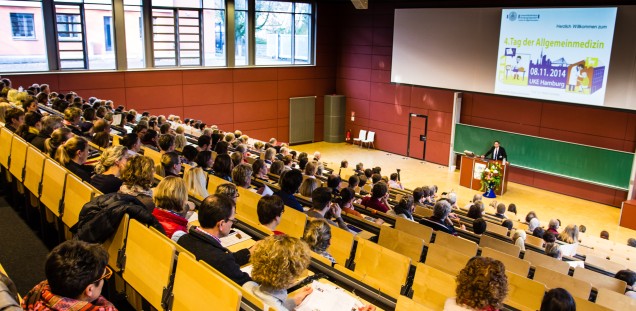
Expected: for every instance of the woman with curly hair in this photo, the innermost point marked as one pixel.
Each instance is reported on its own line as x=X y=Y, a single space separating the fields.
x=137 y=177
x=481 y=285
x=277 y=261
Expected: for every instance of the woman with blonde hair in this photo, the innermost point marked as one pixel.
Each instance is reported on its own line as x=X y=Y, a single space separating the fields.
x=569 y=235
x=277 y=261
x=308 y=186
x=481 y=285
x=318 y=237
x=196 y=179
x=109 y=168
x=138 y=176
x=73 y=154
x=170 y=198
x=180 y=140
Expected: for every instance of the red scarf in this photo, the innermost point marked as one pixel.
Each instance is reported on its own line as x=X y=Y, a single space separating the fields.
x=40 y=298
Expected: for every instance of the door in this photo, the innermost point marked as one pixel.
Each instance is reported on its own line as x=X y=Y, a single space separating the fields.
x=416 y=146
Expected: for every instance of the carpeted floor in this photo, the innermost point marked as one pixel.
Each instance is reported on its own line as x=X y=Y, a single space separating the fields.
x=22 y=252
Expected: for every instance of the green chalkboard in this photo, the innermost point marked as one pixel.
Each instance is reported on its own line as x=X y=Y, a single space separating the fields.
x=601 y=166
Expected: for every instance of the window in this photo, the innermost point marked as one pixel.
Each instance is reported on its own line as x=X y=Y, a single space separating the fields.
x=22 y=26
x=189 y=32
x=283 y=33
x=84 y=34
x=23 y=46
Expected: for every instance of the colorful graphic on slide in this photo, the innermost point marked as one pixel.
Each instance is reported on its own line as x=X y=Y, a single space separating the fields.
x=555 y=54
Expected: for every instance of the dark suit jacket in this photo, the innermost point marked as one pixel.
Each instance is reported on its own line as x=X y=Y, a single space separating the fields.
x=500 y=156
x=206 y=248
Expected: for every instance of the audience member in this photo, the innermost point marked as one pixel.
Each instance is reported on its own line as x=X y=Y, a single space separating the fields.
x=605 y=235
x=323 y=208
x=73 y=154
x=378 y=199
x=404 y=208
x=553 y=226
x=289 y=184
x=481 y=285
x=476 y=210
x=31 y=126
x=519 y=239
x=440 y=219
x=533 y=224
x=270 y=209
x=196 y=180
x=276 y=264
x=277 y=168
x=217 y=215
x=570 y=234
x=109 y=169
x=318 y=237
x=308 y=186
x=242 y=175
x=138 y=176
x=49 y=125
x=558 y=299
x=9 y=299
x=508 y=224
x=75 y=275
x=204 y=160
x=14 y=118
x=479 y=226
x=260 y=169
x=170 y=198
x=190 y=153
x=501 y=211
x=629 y=277
x=222 y=167
x=170 y=164
x=394 y=182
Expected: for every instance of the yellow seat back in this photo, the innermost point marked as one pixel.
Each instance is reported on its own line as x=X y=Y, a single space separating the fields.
x=431 y=287
x=149 y=262
x=446 y=259
x=34 y=170
x=586 y=305
x=6 y=137
x=512 y=263
x=421 y=231
x=370 y=265
x=537 y=259
x=614 y=300
x=18 y=157
x=53 y=183
x=599 y=281
x=115 y=244
x=76 y=194
x=401 y=243
x=293 y=223
x=502 y=246
x=553 y=279
x=455 y=243
x=524 y=294
x=341 y=244
x=198 y=288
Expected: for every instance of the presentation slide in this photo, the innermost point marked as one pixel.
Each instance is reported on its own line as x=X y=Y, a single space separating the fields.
x=555 y=54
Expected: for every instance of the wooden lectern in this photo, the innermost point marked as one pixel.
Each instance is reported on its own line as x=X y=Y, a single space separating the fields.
x=470 y=173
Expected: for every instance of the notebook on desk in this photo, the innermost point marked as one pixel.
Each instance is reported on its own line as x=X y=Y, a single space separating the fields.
x=328 y=297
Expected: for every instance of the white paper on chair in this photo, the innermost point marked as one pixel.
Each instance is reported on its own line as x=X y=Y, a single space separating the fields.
x=267 y=191
x=327 y=297
x=236 y=236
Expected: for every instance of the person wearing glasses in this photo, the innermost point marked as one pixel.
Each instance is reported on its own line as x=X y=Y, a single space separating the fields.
x=217 y=215
x=76 y=272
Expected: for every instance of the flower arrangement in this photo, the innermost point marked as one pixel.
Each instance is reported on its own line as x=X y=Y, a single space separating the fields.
x=491 y=176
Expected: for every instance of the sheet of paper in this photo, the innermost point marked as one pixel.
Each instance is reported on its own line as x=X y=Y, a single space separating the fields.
x=327 y=297
x=247 y=269
x=236 y=236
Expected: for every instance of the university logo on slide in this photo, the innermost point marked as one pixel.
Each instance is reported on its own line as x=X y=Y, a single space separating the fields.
x=512 y=16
